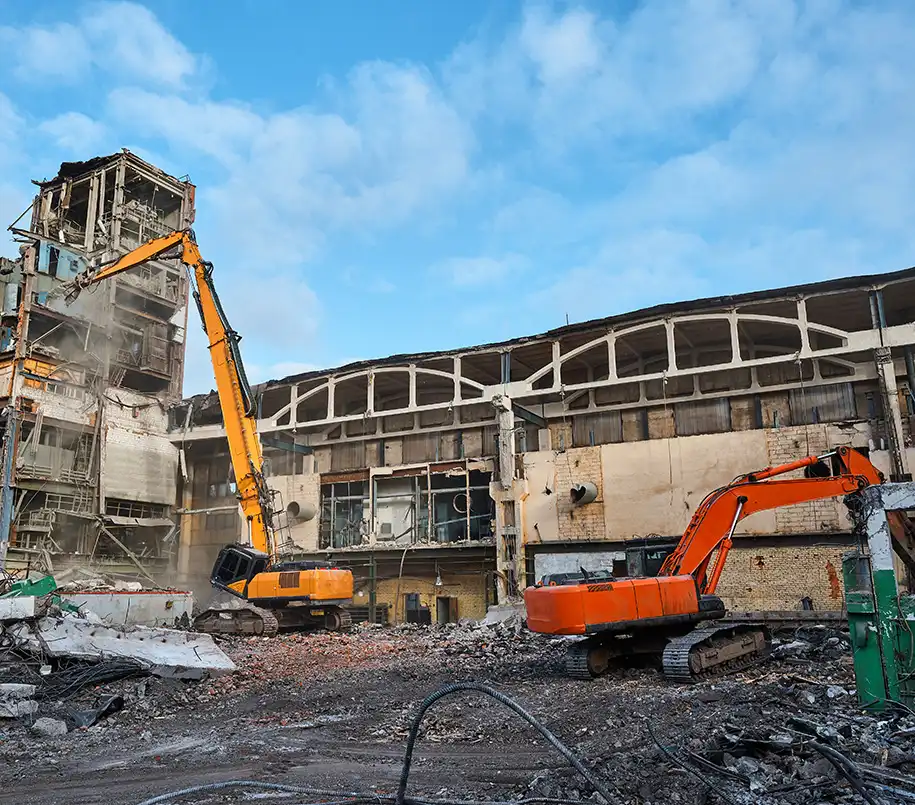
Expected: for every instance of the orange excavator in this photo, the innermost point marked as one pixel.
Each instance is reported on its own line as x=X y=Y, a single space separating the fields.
x=663 y=614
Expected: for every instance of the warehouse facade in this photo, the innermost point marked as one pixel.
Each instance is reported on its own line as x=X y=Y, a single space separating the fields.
x=443 y=479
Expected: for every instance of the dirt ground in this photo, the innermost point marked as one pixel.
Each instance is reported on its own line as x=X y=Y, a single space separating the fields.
x=333 y=711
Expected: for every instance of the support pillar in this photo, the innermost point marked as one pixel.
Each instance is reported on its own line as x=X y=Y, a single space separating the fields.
x=509 y=553
x=373 y=586
x=889 y=393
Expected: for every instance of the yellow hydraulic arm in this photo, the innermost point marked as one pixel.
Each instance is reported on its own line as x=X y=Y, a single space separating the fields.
x=235 y=397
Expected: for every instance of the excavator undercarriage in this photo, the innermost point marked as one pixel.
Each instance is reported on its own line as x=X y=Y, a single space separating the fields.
x=697 y=655
x=264 y=622
x=691 y=648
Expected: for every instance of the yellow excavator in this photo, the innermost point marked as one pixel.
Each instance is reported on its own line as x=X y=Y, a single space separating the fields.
x=277 y=594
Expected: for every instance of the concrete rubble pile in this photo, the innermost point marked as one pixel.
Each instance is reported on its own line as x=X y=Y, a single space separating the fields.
x=334 y=709
x=50 y=654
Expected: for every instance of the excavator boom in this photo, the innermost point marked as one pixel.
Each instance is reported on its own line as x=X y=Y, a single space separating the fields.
x=316 y=590
x=716 y=518
x=235 y=397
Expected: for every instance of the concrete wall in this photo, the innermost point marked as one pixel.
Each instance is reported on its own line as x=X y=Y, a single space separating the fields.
x=302 y=489
x=652 y=487
x=644 y=488
x=546 y=563
x=139 y=460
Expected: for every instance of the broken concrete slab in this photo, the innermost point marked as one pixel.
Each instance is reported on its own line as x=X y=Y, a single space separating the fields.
x=135 y=607
x=166 y=652
x=505 y=613
x=18 y=608
x=15 y=700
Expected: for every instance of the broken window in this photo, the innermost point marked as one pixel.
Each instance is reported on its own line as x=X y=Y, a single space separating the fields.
x=401 y=509
x=462 y=508
x=134 y=508
x=53 y=259
x=342 y=517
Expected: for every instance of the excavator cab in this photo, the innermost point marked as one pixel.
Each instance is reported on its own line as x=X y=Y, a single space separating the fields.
x=237 y=563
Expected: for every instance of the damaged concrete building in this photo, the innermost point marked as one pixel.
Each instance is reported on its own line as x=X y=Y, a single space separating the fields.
x=444 y=480
x=88 y=471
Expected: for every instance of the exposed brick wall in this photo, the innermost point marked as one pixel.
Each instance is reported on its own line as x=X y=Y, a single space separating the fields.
x=774 y=578
x=579 y=465
x=789 y=444
x=468 y=588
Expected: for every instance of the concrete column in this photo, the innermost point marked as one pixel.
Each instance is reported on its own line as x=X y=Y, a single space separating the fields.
x=509 y=553
x=185 y=531
x=671 y=346
x=506 y=419
x=735 y=337
x=889 y=391
x=802 y=325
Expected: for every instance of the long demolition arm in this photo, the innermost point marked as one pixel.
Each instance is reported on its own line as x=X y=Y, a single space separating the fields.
x=235 y=397
x=714 y=521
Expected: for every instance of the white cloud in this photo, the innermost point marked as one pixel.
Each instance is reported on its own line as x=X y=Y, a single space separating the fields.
x=122 y=38
x=74 y=132
x=128 y=39
x=59 y=52
x=468 y=271
x=565 y=49
x=387 y=146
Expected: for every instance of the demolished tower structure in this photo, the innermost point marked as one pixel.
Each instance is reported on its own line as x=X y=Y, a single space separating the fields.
x=87 y=473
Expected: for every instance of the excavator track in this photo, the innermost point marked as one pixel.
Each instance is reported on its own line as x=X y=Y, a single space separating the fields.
x=343 y=622
x=246 y=620
x=711 y=652
x=577 y=666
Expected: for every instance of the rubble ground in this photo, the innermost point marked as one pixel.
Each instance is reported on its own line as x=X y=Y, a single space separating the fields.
x=333 y=711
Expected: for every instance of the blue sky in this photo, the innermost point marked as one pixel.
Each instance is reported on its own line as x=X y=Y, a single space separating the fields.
x=399 y=176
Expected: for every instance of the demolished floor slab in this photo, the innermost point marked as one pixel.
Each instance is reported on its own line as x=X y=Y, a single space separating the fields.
x=167 y=652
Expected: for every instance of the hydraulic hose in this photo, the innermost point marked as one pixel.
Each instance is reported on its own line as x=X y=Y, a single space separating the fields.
x=345 y=798
x=458 y=687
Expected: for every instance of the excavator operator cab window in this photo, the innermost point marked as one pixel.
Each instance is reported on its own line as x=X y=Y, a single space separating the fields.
x=233 y=565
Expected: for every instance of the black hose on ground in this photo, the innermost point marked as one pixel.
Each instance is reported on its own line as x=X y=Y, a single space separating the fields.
x=689 y=769
x=846 y=768
x=343 y=797
x=477 y=687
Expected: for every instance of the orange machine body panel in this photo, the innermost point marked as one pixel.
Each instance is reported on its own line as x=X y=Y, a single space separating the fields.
x=322 y=586
x=578 y=609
